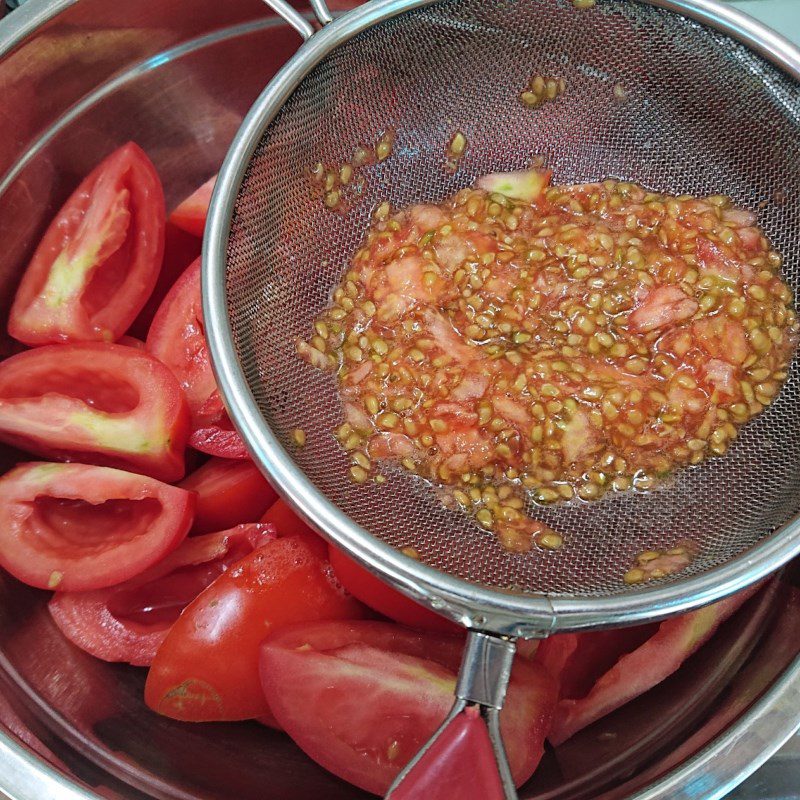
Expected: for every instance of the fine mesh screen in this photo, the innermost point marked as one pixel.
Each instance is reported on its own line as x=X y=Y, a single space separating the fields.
x=703 y=115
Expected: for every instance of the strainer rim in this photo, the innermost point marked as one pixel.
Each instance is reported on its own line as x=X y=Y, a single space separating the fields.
x=470 y=604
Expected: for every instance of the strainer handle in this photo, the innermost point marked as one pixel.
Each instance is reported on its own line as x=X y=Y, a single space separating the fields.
x=470 y=735
x=297 y=20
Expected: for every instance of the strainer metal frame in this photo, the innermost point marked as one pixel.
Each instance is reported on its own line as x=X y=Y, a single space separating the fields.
x=472 y=605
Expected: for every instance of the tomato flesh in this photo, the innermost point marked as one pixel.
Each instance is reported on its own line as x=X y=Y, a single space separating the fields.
x=229 y=493
x=191 y=214
x=361 y=698
x=207 y=667
x=99 y=259
x=105 y=404
x=74 y=527
x=177 y=338
x=129 y=622
x=287 y=523
x=595 y=683
x=372 y=591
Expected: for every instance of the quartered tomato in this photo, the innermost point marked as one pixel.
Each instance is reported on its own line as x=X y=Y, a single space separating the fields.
x=99 y=259
x=600 y=672
x=228 y=493
x=207 y=667
x=191 y=214
x=287 y=523
x=128 y=622
x=180 y=250
x=73 y=527
x=382 y=598
x=105 y=404
x=361 y=698
x=177 y=338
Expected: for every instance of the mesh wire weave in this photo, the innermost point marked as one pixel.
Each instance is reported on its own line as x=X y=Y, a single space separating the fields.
x=703 y=115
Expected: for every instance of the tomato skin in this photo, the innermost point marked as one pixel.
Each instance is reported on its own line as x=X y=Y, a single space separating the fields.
x=75 y=527
x=361 y=698
x=228 y=493
x=128 y=622
x=287 y=523
x=207 y=667
x=106 y=404
x=382 y=598
x=180 y=250
x=616 y=681
x=191 y=213
x=99 y=260
x=177 y=339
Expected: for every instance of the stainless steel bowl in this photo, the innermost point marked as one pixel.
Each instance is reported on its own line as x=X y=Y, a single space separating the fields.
x=77 y=79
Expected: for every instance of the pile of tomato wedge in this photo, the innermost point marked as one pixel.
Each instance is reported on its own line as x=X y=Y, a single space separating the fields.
x=232 y=602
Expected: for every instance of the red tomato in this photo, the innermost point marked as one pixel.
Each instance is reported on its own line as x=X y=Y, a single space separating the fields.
x=228 y=493
x=207 y=667
x=380 y=597
x=627 y=663
x=99 y=259
x=191 y=214
x=177 y=338
x=361 y=698
x=180 y=250
x=131 y=341
x=106 y=404
x=128 y=622
x=73 y=527
x=287 y=523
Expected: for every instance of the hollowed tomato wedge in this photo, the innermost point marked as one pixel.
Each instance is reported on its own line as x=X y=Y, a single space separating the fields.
x=600 y=671
x=361 y=698
x=128 y=622
x=73 y=527
x=105 y=404
x=228 y=493
x=177 y=338
x=99 y=260
x=207 y=667
x=191 y=214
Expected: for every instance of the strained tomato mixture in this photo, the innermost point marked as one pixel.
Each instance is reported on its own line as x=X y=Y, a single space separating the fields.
x=564 y=339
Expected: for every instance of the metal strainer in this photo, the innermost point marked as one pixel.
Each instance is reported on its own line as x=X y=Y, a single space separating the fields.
x=710 y=103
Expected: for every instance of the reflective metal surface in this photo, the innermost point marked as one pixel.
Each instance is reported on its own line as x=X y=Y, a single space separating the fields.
x=104 y=72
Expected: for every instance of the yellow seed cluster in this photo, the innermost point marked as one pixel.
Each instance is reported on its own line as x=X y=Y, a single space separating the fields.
x=541 y=89
x=339 y=185
x=590 y=341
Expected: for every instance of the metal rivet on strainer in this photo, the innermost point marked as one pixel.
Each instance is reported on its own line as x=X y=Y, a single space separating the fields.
x=712 y=104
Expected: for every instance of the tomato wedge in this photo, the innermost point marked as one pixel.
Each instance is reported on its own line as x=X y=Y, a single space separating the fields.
x=207 y=667
x=128 y=622
x=191 y=214
x=106 y=404
x=99 y=259
x=73 y=527
x=180 y=250
x=287 y=523
x=382 y=598
x=626 y=664
x=228 y=493
x=177 y=339
x=361 y=698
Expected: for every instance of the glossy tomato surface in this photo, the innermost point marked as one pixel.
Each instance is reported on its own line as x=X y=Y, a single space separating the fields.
x=382 y=598
x=191 y=214
x=361 y=698
x=74 y=527
x=177 y=338
x=207 y=667
x=229 y=492
x=99 y=260
x=104 y=404
x=287 y=523
x=129 y=622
